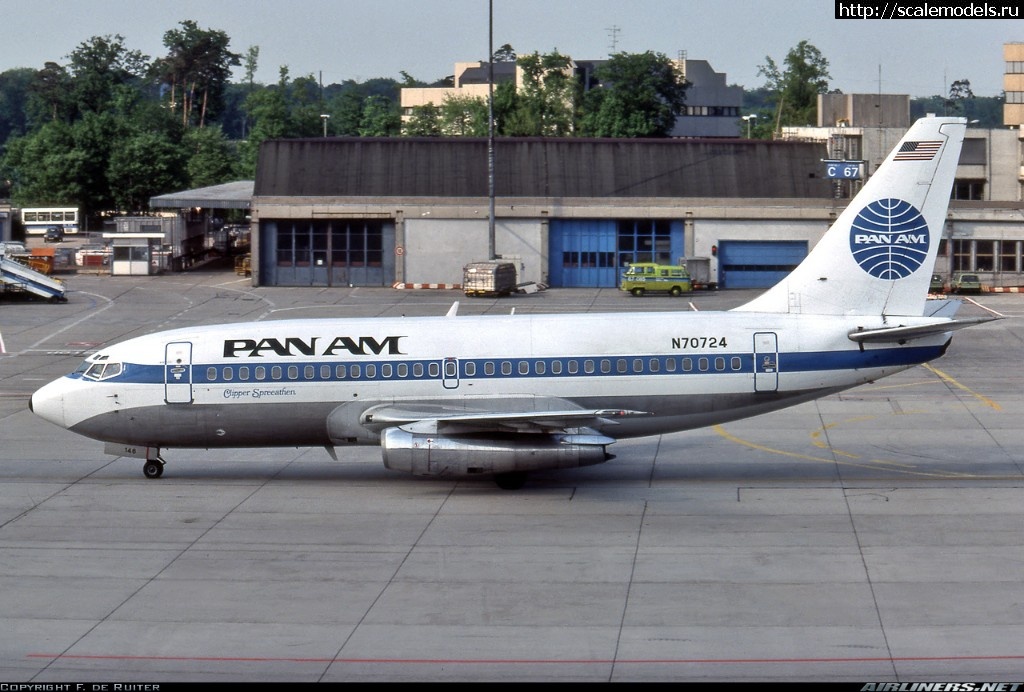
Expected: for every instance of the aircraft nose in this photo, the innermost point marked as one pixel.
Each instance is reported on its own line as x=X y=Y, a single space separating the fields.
x=48 y=403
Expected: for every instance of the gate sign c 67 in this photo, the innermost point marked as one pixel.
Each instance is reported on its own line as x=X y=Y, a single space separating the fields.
x=843 y=170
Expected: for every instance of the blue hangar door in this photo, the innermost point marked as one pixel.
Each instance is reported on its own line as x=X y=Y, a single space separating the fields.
x=592 y=253
x=756 y=263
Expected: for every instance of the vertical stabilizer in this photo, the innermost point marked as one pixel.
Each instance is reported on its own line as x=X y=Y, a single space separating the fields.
x=877 y=257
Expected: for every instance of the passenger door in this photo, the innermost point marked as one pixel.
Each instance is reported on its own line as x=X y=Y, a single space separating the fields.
x=178 y=372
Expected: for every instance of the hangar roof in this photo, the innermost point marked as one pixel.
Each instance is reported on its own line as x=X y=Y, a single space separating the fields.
x=235 y=195
x=540 y=167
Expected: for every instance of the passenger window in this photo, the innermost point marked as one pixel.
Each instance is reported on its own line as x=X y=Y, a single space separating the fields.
x=654 y=364
x=588 y=367
x=434 y=369
x=275 y=372
x=606 y=366
x=371 y=372
x=539 y=367
x=489 y=368
x=506 y=367
x=243 y=373
x=574 y=367
x=638 y=365
x=470 y=369
x=325 y=372
x=687 y=364
x=229 y=374
x=339 y=372
x=737 y=364
x=620 y=365
x=293 y=372
x=385 y=370
x=719 y=364
x=670 y=364
x=417 y=369
x=524 y=367
x=403 y=369
x=354 y=371
x=261 y=373
x=309 y=372
x=556 y=367
x=211 y=374
x=703 y=364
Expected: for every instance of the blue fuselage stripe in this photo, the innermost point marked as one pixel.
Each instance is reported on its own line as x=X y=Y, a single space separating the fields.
x=365 y=370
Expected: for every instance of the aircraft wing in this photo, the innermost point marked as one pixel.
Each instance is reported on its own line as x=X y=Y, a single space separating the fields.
x=439 y=419
x=903 y=333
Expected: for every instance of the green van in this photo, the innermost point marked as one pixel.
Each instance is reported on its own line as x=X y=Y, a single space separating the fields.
x=643 y=277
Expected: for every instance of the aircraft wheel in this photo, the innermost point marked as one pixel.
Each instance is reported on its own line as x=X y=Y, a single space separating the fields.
x=153 y=469
x=513 y=480
x=637 y=292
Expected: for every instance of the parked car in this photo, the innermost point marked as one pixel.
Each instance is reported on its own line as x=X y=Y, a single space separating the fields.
x=54 y=235
x=966 y=283
x=938 y=284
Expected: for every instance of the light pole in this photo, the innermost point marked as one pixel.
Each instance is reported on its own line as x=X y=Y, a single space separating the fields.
x=748 y=118
x=324 y=117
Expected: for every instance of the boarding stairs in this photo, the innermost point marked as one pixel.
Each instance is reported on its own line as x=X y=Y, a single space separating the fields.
x=15 y=276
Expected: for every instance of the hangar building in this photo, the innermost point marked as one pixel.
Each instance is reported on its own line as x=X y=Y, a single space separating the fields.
x=568 y=212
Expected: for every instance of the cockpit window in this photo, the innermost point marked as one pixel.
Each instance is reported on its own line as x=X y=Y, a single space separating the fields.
x=99 y=371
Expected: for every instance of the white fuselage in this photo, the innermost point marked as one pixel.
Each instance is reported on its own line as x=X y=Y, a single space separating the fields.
x=309 y=382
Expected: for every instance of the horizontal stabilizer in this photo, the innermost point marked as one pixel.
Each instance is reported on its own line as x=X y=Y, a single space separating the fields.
x=903 y=334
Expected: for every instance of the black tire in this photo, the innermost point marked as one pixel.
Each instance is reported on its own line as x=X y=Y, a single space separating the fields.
x=675 y=292
x=637 y=291
x=513 y=480
x=153 y=469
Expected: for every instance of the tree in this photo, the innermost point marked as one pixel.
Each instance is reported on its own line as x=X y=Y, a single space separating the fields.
x=50 y=95
x=144 y=165
x=211 y=159
x=45 y=166
x=198 y=66
x=640 y=95
x=346 y=110
x=464 y=116
x=424 y=122
x=15 y=92
x=960 y=98
x=99 y=65
x=504 y=54
x=380 y=118
x=546 y=102
x=797 y=87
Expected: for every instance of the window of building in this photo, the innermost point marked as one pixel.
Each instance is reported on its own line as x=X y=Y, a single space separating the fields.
x=984 y=255
x=969 y=189
x=1008 y=253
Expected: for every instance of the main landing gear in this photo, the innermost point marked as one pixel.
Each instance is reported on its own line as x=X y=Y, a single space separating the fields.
x=153 y=468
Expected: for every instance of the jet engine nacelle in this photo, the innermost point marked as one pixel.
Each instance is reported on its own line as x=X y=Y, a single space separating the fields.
x=470 y=455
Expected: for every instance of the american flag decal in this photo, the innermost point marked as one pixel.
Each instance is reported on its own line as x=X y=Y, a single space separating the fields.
x=918 y=151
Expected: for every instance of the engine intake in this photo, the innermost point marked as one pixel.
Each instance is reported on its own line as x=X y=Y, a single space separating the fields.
x=470 y=455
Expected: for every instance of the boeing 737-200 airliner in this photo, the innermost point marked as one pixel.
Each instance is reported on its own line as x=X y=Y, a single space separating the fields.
x=461 y=396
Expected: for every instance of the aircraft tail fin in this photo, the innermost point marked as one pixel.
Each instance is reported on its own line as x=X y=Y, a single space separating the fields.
x=877 y=258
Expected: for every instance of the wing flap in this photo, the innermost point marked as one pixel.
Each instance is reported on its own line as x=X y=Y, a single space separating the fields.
x=440 y=419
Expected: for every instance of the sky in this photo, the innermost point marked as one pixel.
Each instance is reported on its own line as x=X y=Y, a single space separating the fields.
x=338 y=40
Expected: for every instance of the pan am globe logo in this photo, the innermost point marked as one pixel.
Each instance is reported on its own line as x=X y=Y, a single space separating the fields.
x=889 y=239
